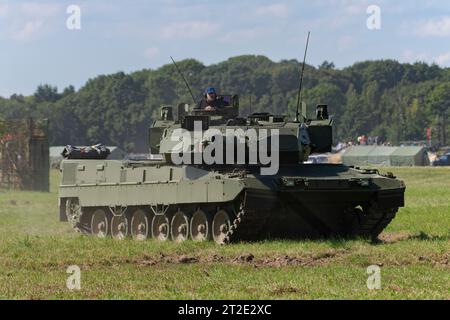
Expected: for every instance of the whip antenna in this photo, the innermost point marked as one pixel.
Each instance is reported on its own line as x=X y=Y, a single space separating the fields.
x=185 y=81
x=301 y=80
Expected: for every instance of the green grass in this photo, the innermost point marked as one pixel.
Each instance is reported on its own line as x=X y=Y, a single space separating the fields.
x=36 y=249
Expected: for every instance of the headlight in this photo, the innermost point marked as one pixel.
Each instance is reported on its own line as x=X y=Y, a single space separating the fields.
x=364 y=182
x=288 y=182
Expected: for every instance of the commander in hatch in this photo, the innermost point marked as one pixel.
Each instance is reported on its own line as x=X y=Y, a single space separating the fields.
x=210 y=101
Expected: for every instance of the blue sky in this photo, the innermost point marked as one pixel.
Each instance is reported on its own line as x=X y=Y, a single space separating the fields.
x=37 y=47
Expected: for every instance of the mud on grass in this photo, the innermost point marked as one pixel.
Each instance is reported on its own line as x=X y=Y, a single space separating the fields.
x=227 y=276
x=413 y=254
x=411 y=268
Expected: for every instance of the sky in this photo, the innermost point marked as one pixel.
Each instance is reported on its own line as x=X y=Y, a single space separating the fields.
x=40 y=41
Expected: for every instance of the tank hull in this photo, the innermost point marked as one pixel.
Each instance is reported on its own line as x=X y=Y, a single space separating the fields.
x=301 y=201
x=319 y=201
x=305 y=214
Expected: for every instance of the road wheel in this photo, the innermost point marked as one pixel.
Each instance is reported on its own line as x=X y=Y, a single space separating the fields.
x=119 y=227
x=100 y=223
x=161 y=227
x=139 y=225
x=179 y=227
x=200 y=228
x=73 y=212
x=220 y=226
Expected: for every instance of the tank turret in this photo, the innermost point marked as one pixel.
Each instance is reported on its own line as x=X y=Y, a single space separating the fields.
x=193 y=131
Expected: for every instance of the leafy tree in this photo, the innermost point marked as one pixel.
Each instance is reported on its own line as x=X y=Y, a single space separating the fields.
x=351 y=124
x=46 y=93
x=326 y=65
x=439 y=102
x=382 y=98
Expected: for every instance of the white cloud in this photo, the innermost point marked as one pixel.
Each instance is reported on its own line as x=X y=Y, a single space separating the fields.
x=443 y=59
x=411 y=56
x=30 y=19
x=358 y=8
x=30 y=29
x=4 y=10
x=345 y=42
x=278 y=10
x=245 y=34
x=36 y=9
x=189 y=29
x=434 y=28
x=151 y=52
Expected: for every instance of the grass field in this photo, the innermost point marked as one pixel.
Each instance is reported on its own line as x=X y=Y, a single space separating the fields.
x=36 y=249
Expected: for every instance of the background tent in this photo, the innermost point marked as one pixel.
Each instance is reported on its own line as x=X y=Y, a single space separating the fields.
x=357 y=155
x=410 y=156
x=383 y=156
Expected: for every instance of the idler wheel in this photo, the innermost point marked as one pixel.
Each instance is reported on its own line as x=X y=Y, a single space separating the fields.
x=99 y=223
x=179 y=227
x=161 y=227
x=220 y=226
x=73 y=212
x=200 y=226
x=139 y=225
x=119 y=227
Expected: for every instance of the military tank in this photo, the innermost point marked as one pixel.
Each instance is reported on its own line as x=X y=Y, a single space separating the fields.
x=188 y=192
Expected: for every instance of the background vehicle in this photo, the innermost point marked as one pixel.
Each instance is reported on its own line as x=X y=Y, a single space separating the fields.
x=442 y=161
x=317 y=159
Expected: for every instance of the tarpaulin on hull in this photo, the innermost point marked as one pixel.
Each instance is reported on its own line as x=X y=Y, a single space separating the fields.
x=98 y=152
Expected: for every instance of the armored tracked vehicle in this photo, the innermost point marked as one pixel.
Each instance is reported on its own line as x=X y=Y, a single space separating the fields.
x=190 y=192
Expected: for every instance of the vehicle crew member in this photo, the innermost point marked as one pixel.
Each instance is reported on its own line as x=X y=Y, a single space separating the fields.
x=210 y=101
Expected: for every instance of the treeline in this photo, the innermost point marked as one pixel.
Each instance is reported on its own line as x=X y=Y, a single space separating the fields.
x=393 y=101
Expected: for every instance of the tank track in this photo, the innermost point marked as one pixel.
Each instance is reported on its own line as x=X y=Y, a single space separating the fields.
x=74 y=217
x=372 y=222
x=247 y=225
x=368 y=224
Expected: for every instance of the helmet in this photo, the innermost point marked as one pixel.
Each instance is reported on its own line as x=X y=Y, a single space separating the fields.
x=210 y=90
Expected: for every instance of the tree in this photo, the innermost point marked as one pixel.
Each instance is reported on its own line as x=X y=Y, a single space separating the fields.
x=46 y=93
x=439 y=101
x=326 y=65
x=380 y=98
x=351 y=124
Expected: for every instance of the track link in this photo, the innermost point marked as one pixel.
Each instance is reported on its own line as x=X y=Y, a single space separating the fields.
x=248 y=224
x=372 y=222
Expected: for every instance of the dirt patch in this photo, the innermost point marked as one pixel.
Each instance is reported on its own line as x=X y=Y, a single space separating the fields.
x=246 y=259
x=392 y=237
x=285 y=290
x=283 y=261
x=187 y=259
x=323 y=258
x=395 y=288
x=214 y=258
x=162 y=258
x=437 y=260
x=146 y=262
